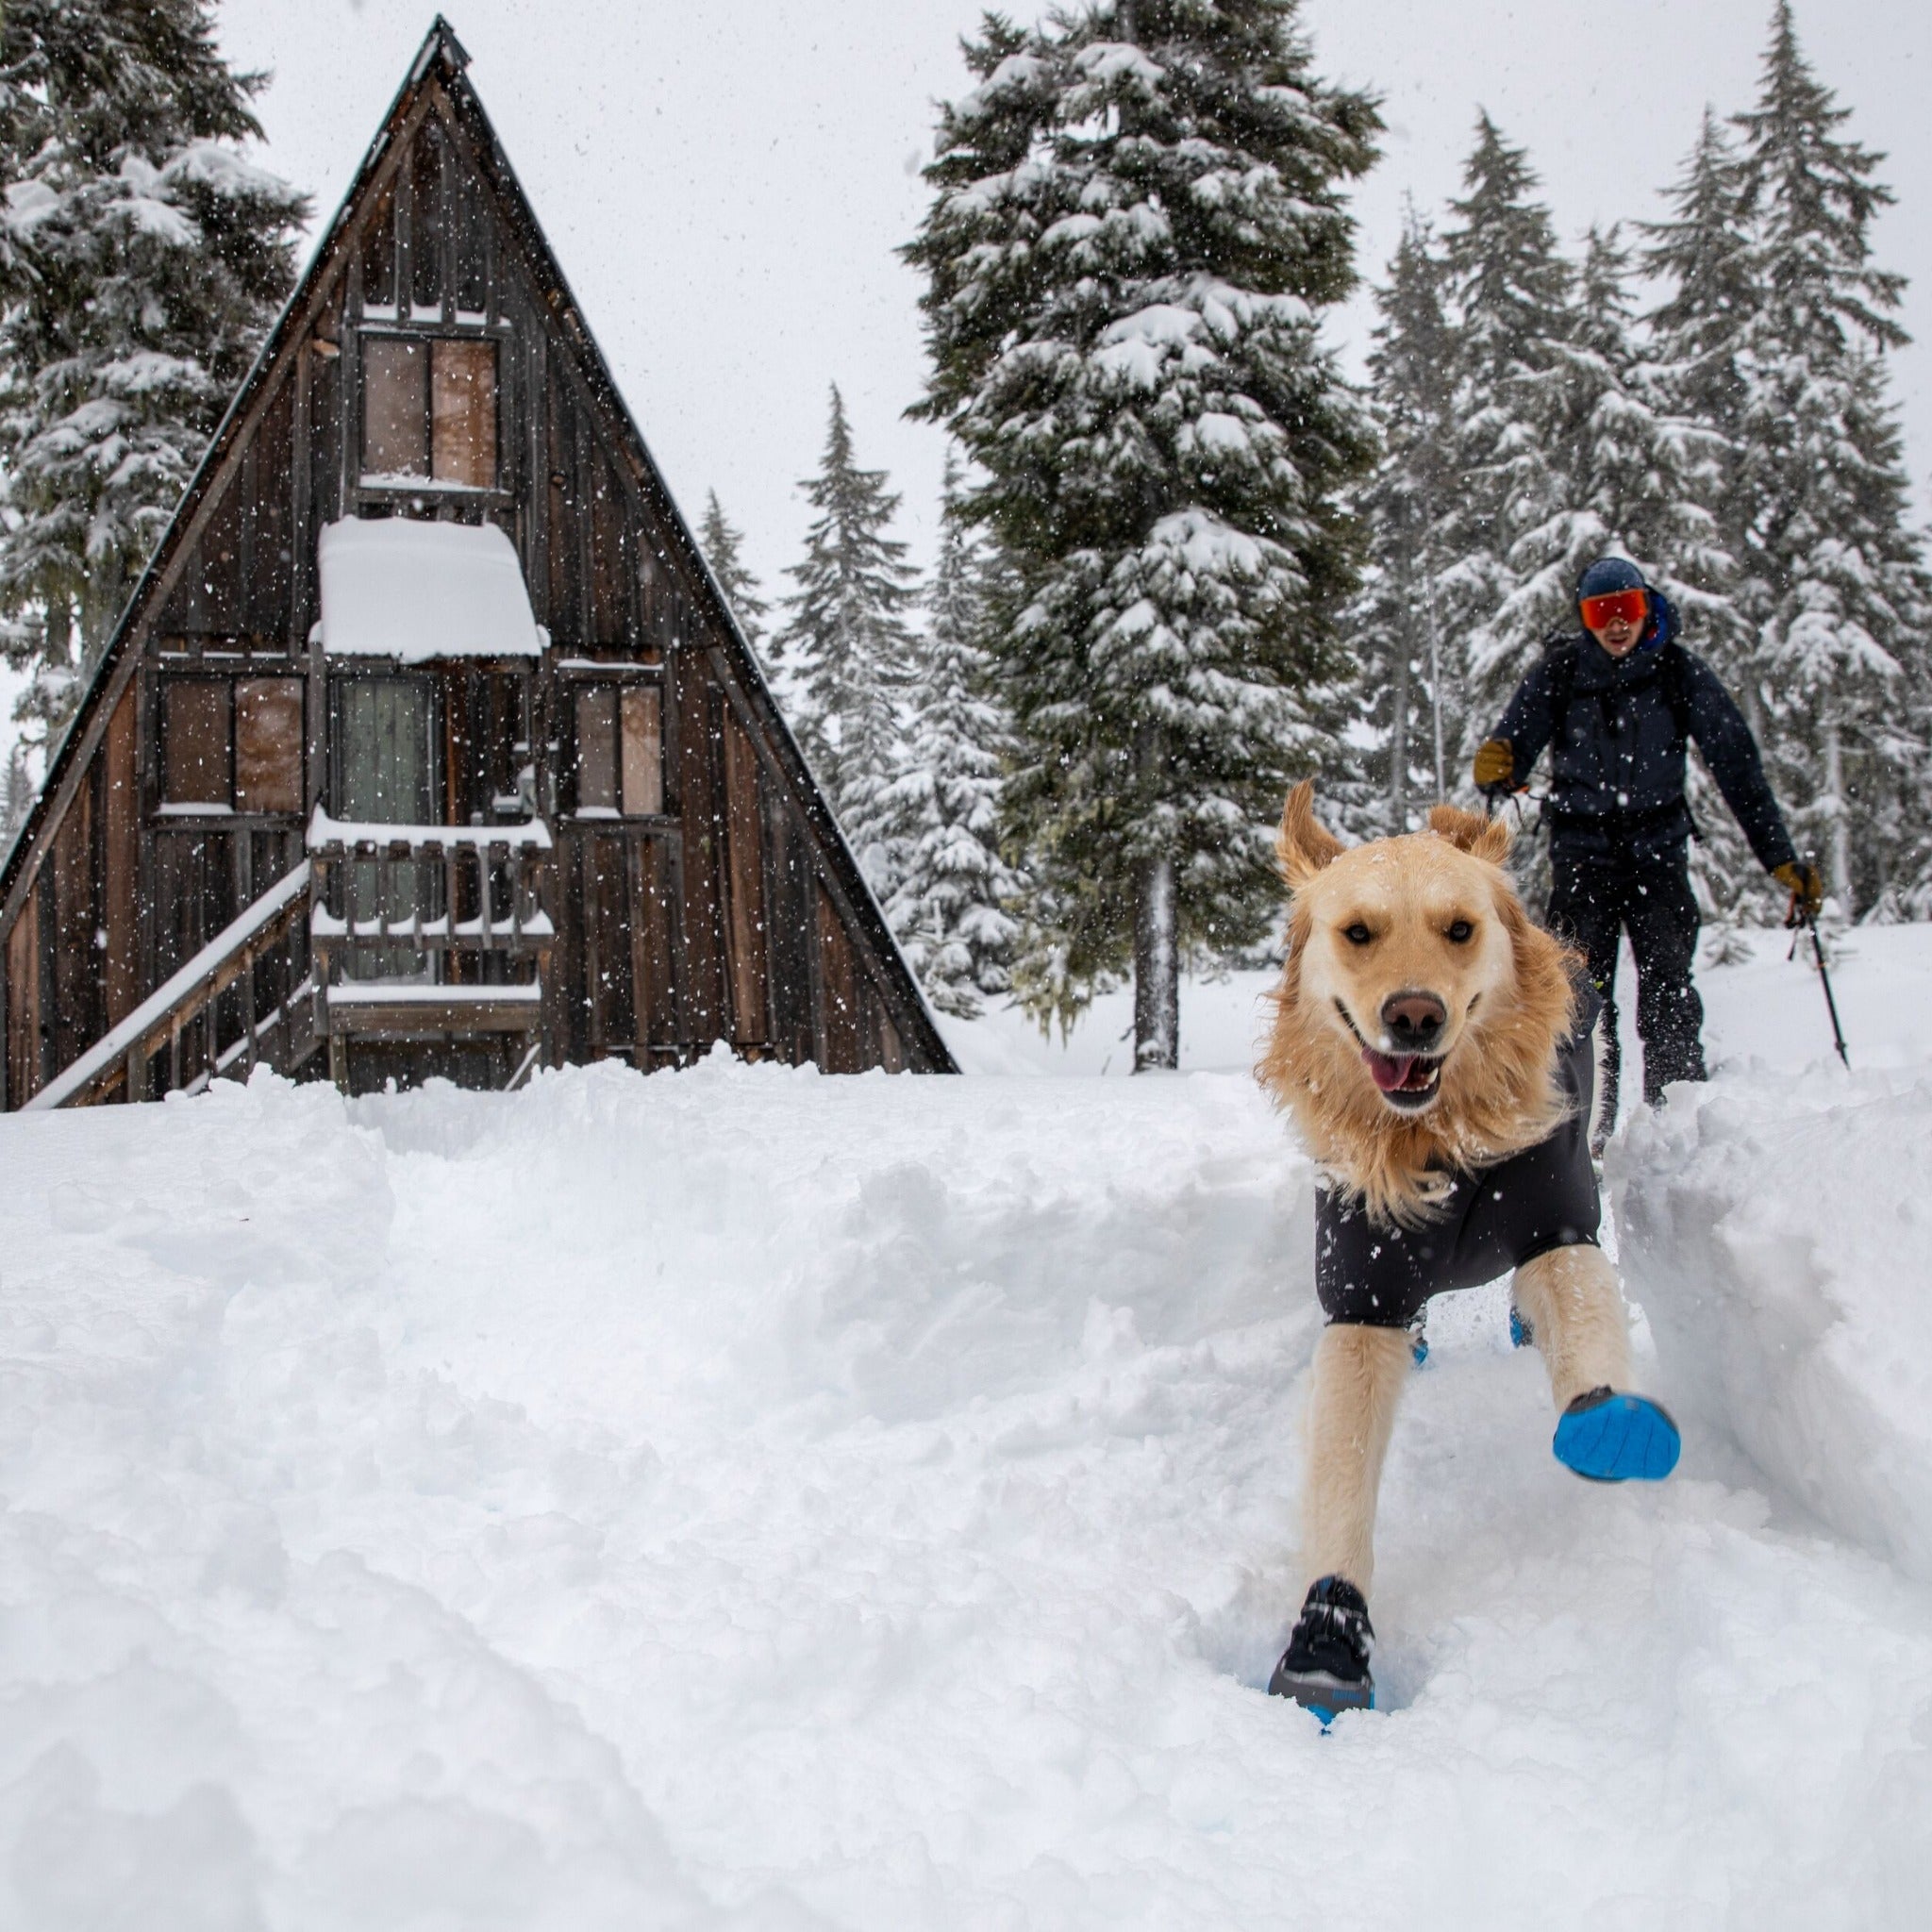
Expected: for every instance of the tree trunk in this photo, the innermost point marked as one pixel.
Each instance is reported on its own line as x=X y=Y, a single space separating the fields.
x=1157 y=967
x=1435 y=687
x=1398 y=737
x=1838 y=851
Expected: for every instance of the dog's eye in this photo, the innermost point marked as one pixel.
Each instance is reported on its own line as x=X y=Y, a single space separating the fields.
x=1358 y=934
x=1459 y=931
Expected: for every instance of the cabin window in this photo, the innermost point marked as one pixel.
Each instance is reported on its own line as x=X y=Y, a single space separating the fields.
x=232 y=745
x=430 y=412
x=620 y=762
x=641 y=749
x=268 y=744
x=196 y=765
x=395 y=408
x=463 y=413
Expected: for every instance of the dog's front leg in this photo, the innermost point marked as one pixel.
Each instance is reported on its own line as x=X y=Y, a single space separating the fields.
x=1576 y=1310
x=1604 y=1429
x=1358 y=1376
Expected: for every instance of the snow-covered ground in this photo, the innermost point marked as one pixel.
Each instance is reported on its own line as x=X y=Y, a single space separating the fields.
x=742 y=1498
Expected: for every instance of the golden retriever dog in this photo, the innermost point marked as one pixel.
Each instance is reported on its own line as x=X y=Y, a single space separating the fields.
x=1435 y=1051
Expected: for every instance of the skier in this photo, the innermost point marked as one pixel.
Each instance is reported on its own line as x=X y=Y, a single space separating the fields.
x=1617 y=702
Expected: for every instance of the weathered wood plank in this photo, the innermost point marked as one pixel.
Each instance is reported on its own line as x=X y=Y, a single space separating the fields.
x=120 y=861
x=745 y=887
x=839 y=1042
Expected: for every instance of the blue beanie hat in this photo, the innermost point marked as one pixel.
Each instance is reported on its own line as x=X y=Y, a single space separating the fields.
x=1609 y=574
x=1612 y=573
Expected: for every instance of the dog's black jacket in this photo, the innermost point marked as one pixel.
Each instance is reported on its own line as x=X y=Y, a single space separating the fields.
x=1492 y=1221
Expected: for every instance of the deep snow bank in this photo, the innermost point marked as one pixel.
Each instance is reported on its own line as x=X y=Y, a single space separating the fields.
x=1778 y=1233
x=739 y=1498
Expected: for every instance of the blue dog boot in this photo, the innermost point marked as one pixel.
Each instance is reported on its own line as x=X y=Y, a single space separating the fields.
x=1615 y=1438
x=1419 y=1338
x=1521 y=1334
x=1325 y=1666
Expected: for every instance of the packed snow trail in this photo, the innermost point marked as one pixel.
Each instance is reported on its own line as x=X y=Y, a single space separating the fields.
x=743 y=1498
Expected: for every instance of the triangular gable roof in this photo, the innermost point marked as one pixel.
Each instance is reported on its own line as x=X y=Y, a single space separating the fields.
x=444 y=61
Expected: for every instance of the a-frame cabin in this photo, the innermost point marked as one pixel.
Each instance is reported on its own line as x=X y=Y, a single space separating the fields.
x=427 y=743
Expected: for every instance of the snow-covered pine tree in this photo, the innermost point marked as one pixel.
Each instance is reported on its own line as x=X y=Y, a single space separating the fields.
x=1690 y=347
x=145 y=261
x=1644 y=475
x=1513 y=301
x=1646 y=481
x=1576 y=449
x=1835 y=581
x=1403 y=658
x=949 y=909
x=723 y=544
x=851 y=648
x=17 y=794
x=1138 y=219
x=1693 y=342
x=1701 y=255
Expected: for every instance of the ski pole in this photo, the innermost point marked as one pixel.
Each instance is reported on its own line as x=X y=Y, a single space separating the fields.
x=1805 y=924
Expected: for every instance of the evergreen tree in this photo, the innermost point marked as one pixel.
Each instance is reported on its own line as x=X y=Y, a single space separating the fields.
x=145 y=260
x=1513 y=295
x=1404 y=659
x=852 y=649
x=723 y=544
x=1644 y=476
x=1835 y=582
x=1694 y=345
x=1646 y=481
x=948 y=909
x=1138 y=219
x=1575 y=446
x=17 y=794
x=1695 y=339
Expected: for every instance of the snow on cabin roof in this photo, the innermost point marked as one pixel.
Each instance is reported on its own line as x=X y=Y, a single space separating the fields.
x=399 y=588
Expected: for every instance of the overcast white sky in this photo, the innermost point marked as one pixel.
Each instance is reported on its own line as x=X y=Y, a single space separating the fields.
x=725 y=180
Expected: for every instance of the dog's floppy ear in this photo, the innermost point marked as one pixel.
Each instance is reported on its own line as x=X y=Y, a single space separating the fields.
x=1305 y=845
x=1479 y=837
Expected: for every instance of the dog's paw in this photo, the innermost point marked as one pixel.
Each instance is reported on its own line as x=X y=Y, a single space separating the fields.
x=1613 y=1438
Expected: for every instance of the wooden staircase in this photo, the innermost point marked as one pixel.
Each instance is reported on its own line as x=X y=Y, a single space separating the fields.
x=193 y=1030
x=384 y=934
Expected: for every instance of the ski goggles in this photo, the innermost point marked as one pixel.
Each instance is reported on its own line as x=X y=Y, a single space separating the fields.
x=1599 y=613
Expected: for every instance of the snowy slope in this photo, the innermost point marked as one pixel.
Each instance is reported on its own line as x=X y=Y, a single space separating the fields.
x=742 y=1498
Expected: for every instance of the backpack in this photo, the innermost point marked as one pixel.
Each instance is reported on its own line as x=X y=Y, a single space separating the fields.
x=1561 y=650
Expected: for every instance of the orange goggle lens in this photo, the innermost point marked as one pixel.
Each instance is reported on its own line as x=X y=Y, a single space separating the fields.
x=1599 y=613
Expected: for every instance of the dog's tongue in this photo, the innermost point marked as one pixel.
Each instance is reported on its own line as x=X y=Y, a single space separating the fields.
x=1388 y=1070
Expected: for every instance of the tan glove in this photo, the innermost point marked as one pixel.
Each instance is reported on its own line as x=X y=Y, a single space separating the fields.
x=1495 y=765
x=1806 y=887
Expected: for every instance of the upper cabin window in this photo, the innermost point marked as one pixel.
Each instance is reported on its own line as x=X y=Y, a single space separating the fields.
x=619 y=761
x=430 y=412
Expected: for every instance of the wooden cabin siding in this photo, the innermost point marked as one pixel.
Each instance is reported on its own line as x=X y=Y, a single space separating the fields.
x=744 y=884
x=838 y=1020
x=707 y=899
x=79 y=1012
x=121 y=860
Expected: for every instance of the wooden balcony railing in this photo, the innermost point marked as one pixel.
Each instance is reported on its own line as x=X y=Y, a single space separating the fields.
x=429 y=931
x=396 y=890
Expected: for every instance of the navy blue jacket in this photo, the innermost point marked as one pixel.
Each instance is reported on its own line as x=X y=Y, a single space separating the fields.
x=1618 y=749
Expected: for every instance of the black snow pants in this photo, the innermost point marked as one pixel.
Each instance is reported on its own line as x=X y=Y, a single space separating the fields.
x=1593 y=902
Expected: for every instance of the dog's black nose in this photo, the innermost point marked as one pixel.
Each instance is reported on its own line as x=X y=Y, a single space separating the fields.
x=1413 y=1020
